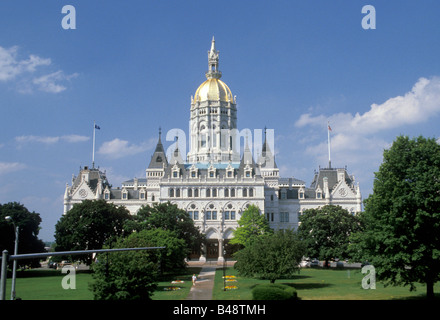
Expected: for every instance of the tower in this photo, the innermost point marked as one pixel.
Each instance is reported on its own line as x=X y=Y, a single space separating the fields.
x=213 y=118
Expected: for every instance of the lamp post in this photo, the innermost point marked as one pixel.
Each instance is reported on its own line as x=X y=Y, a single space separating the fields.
x=224 y=270
x=14 y=268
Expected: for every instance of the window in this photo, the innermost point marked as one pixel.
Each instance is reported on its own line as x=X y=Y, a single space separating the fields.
x=208 y=193
x=251 y=192
x=284 y=217
x=226 y=192
x=107 y=196
x=211 y=174
x=193 y=174
x=283 y=194
x=171 y=192
x=193 y=215
x=229 y=215
x=196 y=193
x=232 y=192
x=214 y=193
x=175 y=174
x=211 y=215
x=229 y=174
x=177 y=192
x=244 y=192
x=190 y=192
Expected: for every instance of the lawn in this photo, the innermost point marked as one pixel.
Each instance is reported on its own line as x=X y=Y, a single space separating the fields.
x=46 y=284
x=310 y=283
x=319 y=284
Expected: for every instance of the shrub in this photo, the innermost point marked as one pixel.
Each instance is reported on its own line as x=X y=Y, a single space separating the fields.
x=274 y=292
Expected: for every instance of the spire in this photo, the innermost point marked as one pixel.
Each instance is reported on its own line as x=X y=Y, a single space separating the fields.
x=213 y=57
x=267 y=158
x=159 y=158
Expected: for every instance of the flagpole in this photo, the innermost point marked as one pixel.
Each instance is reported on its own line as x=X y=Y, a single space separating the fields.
x=93 y=153
x=328 y=133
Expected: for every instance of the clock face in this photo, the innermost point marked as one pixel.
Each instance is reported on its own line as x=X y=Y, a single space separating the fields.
x=342 y=192
x=82 y=193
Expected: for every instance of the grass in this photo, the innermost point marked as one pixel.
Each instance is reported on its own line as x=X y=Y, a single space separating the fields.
x=320 y=284
x=46 y=284
x=310 y=283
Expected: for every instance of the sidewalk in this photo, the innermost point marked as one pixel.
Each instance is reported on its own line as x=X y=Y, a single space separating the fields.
x=202 y=290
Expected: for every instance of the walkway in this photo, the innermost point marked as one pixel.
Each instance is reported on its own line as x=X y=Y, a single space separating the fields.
x=205 y=280
x=202 y=290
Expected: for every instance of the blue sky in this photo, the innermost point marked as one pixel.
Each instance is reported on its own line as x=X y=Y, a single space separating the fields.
x=133 y=65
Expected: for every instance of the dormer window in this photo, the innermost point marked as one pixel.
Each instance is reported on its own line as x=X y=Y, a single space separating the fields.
x=107 y=194
x=175 y=171
x=142 y=194
x=211 y=172
x=318 y=193
x=248 y=171
x=230 y=171
x=124 y=194
x=193 y=172
x=301 y=194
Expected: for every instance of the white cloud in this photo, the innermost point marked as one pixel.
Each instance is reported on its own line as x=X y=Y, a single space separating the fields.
x=50 y=82
x=21 y=72
x=416 y=106
x=118 y=148
x=8 y=167
x=73 y=138
x=358 y=140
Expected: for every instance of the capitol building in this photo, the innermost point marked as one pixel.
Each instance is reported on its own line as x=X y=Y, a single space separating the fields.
x=216 y=181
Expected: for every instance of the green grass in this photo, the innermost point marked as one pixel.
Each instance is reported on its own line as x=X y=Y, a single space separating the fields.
x=42 y=284
x=311 y=284
x=320 y=284
x=185 y=287
x=45 y=284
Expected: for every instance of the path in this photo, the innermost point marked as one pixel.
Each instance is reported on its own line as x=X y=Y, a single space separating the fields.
x=202 y=290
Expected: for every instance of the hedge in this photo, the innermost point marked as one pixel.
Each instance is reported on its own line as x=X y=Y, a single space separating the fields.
x=274 y=292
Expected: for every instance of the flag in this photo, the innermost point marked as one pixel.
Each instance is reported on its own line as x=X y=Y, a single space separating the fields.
x=97 y=127
x=329 y=128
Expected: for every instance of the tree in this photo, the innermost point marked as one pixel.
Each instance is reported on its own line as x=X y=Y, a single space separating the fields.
x=127 y=275
x=401 y=235
x=326 y=231
x=171 y=258
x=169 y=217
x=89 y=225
x=29 y=227
x=271 y=256
x=252 y=224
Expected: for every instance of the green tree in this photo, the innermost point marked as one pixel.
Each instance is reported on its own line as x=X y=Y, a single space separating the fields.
x=29 y=227
x=169 y=217
x=171 y=258
x=252 y=224
x=401 y=235
x=128 y=275
x=271 y=256
x=326 y=230
x=89 y=225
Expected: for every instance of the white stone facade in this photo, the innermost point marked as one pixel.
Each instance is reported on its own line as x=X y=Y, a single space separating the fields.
x=216 y=183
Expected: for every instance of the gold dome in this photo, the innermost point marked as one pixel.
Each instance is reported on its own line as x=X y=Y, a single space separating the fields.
x=213 y=90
